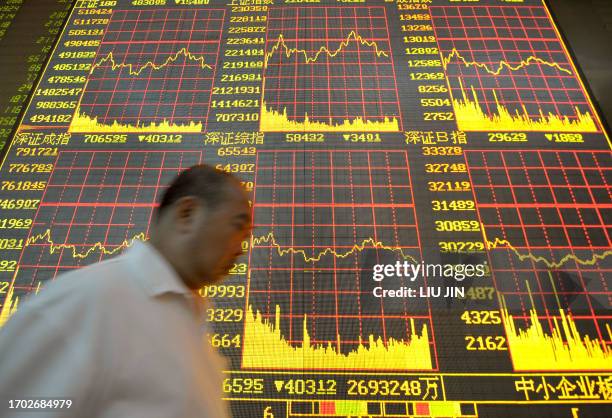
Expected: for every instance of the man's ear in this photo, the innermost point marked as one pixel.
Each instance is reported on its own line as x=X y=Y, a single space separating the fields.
x=187 y=210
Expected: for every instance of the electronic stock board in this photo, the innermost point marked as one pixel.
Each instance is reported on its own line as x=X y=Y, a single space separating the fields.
x=457 y=136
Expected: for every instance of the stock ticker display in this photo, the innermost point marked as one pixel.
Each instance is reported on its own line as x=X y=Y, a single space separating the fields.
x=410 y=132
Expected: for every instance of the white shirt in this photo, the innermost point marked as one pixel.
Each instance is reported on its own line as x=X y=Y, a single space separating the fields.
x=121 y=338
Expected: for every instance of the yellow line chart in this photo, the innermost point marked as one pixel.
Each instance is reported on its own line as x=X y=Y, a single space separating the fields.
x=366 y=243
x=85 y=123
x=149 y=64
x=269 y=238
x=98 y=246
x=502 y=64
x=498 y=242
x=323 y=49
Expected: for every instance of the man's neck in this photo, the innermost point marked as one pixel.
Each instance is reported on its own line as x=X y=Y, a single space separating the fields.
x=171 y=258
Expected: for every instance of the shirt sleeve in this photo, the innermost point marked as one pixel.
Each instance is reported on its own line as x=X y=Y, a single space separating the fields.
x=43 y=356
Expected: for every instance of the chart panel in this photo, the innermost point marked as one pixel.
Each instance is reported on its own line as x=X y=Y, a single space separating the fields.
x=508 y=70
x=153 y=72
x=545 y=218
x=319 y=234
x=329 y=69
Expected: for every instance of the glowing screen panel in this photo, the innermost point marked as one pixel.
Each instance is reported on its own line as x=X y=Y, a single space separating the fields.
x=430 y=185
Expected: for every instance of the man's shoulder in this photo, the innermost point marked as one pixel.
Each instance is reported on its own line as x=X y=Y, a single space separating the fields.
x=96 y=274
x=85 y=296
x=87 y=284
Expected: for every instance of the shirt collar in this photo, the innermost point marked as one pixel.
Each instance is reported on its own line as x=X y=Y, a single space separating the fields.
x=153 y=271
x=158 y=277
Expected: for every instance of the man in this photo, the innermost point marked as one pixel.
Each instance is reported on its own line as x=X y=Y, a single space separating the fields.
x=124 y=338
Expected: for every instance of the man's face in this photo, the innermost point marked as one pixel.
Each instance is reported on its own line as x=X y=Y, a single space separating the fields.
x=218 y=233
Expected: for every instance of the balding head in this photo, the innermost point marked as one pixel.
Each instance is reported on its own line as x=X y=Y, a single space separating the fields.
x=205 y=182
x=200 y=224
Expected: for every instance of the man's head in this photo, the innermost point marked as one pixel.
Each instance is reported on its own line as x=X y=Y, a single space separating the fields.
x=200 y=224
